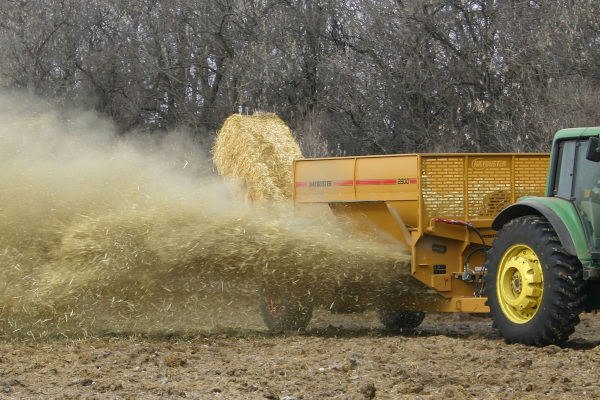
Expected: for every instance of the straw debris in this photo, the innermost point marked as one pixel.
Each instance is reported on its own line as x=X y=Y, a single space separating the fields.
x=98 y=237
x=255 y=154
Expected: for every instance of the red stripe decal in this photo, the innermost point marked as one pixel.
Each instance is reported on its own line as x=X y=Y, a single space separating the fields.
x=360 y=182
x=342 y=183
x=377 y=182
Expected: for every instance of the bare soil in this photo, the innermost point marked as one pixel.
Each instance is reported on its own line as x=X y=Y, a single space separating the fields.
x=337 y=357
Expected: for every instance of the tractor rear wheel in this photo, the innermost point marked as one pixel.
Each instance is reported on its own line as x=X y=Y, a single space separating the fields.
x=282 y=310
x=535 y=289
x=401 y=320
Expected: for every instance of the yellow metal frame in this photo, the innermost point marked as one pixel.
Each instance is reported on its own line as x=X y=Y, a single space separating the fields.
x=399 y=198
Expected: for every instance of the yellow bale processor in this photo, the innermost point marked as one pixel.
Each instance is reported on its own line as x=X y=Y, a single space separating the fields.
x=440 y=206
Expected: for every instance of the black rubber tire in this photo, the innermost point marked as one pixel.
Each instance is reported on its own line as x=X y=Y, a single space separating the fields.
x=555 y=313
x=282 y=310
x=401 y=320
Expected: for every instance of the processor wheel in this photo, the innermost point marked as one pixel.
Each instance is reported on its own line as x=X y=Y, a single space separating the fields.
x=401 y=320
x=283 y=310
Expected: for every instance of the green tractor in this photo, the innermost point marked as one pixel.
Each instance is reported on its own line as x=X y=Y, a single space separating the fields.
x=543 y=269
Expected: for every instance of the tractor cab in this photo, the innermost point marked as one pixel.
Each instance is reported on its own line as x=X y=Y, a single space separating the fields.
x=577 y=179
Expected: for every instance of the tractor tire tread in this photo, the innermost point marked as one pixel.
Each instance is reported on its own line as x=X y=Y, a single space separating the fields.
x=565 y=296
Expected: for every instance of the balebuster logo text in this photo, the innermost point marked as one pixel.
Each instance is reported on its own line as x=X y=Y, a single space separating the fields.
x=484 y=163
x=319 y=183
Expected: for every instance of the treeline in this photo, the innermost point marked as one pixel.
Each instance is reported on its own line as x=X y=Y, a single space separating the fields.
x=348 y=76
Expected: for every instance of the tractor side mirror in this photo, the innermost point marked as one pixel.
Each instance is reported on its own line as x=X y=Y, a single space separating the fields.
x=593 y=150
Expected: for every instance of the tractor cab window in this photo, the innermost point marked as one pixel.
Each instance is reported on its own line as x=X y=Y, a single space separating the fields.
x=563 y=184
x=586 y=194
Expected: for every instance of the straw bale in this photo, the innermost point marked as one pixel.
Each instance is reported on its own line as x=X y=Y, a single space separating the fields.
x=255 y=154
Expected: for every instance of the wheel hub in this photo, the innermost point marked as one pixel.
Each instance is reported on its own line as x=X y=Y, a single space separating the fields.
x=520 y=283
x=516 y=284
x=274 y=308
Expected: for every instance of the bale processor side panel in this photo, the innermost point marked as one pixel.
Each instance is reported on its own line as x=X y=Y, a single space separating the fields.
x=399 y=198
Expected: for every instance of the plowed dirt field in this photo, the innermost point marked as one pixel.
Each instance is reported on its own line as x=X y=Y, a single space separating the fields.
x=337 y=357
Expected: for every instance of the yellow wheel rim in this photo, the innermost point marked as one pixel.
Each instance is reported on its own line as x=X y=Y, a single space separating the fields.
x=520 y=283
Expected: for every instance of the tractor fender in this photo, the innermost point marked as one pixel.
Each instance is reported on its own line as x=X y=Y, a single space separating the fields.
x=535 y=207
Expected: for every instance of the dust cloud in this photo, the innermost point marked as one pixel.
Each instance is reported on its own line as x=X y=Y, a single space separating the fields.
x=101 y=234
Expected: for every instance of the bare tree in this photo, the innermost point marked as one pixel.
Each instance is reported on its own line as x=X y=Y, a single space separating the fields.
x=349 y=76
